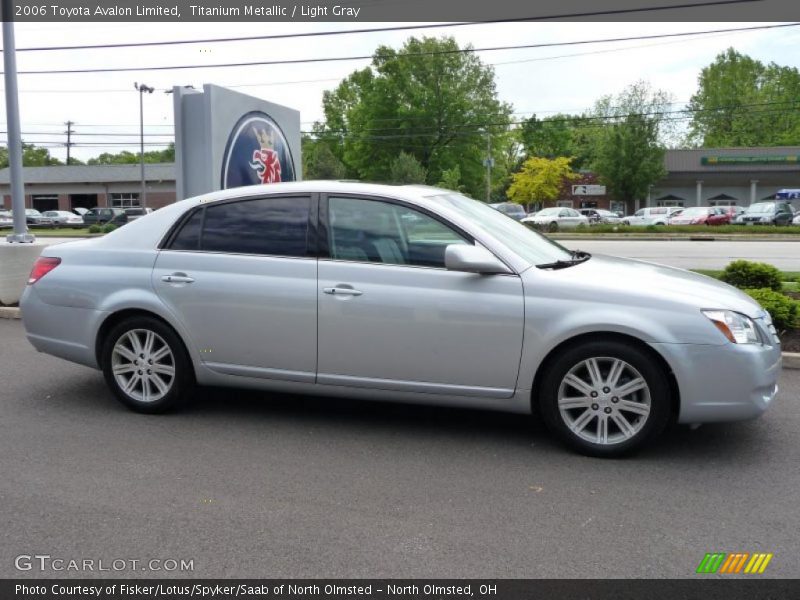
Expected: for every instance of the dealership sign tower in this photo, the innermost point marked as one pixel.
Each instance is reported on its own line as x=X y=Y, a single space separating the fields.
x=224 y=139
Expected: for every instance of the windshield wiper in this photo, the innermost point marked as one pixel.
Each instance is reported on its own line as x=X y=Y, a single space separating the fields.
x=578 y=256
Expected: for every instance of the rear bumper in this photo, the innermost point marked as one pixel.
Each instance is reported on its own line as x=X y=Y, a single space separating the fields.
x=63 y=331
x=729 y=382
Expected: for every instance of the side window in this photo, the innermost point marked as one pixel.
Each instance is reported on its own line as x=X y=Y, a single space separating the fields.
x=188 y=238
x=381 y=232
x=273 y=226
x=639 y=213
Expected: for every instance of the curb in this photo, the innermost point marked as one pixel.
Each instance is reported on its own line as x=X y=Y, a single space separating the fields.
x=791 y=360
x=9 y=312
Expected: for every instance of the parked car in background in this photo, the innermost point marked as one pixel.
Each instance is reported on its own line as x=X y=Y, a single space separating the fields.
x=469 y=308
x=5 y=219
x=510 y=209
x=652 y=215
x=101 y=216
x=702 y=215
x=79 y=210
x=734 y=211
x=600 y=216
x=137 y=212
x=36 y=219
x=796 y=220
x=555 y=218
x=64 y=218
x=767 y=213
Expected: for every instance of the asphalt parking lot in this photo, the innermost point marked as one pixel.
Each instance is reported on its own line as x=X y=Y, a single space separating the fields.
x=259 y=485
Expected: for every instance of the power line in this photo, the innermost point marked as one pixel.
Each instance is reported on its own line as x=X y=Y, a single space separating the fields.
x=326 y=59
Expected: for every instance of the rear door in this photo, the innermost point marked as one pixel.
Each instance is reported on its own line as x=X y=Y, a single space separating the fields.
x=241 y=276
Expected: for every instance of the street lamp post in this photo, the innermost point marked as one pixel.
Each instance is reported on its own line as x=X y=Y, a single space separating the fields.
x=142 y=88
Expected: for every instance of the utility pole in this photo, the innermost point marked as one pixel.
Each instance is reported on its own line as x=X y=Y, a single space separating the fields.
x=14 y=135
x=69 y=125
x=142 y=88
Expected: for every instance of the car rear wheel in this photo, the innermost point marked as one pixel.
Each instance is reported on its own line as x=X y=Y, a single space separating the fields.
x=146 y=365
x=605 y=399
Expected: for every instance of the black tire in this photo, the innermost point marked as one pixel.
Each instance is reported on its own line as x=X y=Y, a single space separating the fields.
x=182 y=383
x=553 y=227
x=641 y=361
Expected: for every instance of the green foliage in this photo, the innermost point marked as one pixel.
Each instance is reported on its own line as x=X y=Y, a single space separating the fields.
x=629 y=155
x=451 y=179
x=129 y=158
x=558 y=135
x=783 y=310
x=32 y=156
x=109 y=227
x=319 y=162
x=742 y=102
x=746 y=274
x=406 y=169
x=95 y=228
x=540 y=179
x=427 y=99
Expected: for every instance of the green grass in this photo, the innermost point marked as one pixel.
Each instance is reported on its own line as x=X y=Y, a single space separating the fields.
x=696 y=229
x=60 y=232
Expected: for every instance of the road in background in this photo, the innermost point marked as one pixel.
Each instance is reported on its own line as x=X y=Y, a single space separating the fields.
x=254 y=485
x=695 y=255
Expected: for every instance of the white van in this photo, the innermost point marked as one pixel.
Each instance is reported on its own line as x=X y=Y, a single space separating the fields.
x=652 y=215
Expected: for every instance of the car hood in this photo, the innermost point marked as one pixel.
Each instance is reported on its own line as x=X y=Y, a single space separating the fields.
x=650 y=283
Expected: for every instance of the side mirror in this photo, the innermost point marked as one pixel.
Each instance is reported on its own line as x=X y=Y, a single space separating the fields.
x=472 y=259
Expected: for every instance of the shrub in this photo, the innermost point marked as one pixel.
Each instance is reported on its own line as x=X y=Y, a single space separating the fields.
x=752 y=275
x=783 y=310
x=95 y=229
x=109 y=227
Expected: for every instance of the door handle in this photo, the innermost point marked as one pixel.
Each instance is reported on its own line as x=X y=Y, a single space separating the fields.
x=177 y=278
x=342 y=291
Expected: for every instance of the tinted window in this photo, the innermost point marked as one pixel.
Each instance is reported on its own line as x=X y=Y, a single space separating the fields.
x=188 y=238
x=276 y=226
x=373 y=231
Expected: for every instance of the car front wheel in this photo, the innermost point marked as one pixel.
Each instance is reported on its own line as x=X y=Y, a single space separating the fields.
x=146 y=365
x=605 y=399
x=553 y=227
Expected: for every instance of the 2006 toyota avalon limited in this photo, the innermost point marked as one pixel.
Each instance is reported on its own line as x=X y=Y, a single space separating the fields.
x=413 y=294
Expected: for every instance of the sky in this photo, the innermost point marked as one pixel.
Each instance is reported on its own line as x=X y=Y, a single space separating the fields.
x=543 y=81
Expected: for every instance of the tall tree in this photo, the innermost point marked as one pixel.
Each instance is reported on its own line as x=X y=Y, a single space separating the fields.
x=629 y=154
x=319 y=161
x=742 y=102
x=32 y=156
x=540 y=179
x=428 y=99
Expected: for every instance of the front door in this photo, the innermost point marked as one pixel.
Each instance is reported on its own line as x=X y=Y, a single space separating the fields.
x=392 y=317
x=242 y=279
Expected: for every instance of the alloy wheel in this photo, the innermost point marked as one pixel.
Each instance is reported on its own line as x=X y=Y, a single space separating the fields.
x=143 y=365
x=604 y=400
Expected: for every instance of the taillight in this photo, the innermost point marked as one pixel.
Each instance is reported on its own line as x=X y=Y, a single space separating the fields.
x=42 y=266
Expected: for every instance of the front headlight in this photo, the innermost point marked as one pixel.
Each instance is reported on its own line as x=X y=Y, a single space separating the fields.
x=738 y=328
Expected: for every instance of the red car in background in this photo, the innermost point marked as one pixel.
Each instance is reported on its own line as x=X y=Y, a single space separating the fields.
x=703 y=215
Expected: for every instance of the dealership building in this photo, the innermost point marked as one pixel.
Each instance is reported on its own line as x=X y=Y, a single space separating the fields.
x=87 y=186
x=698 y=177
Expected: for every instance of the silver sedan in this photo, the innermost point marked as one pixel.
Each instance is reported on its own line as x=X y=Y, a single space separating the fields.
x=411 y=294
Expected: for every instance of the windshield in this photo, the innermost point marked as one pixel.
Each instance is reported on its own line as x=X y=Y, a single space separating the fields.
x=531 y=246
x=760 y=207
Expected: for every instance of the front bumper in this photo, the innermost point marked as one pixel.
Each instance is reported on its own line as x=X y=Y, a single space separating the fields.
x=729 y=382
